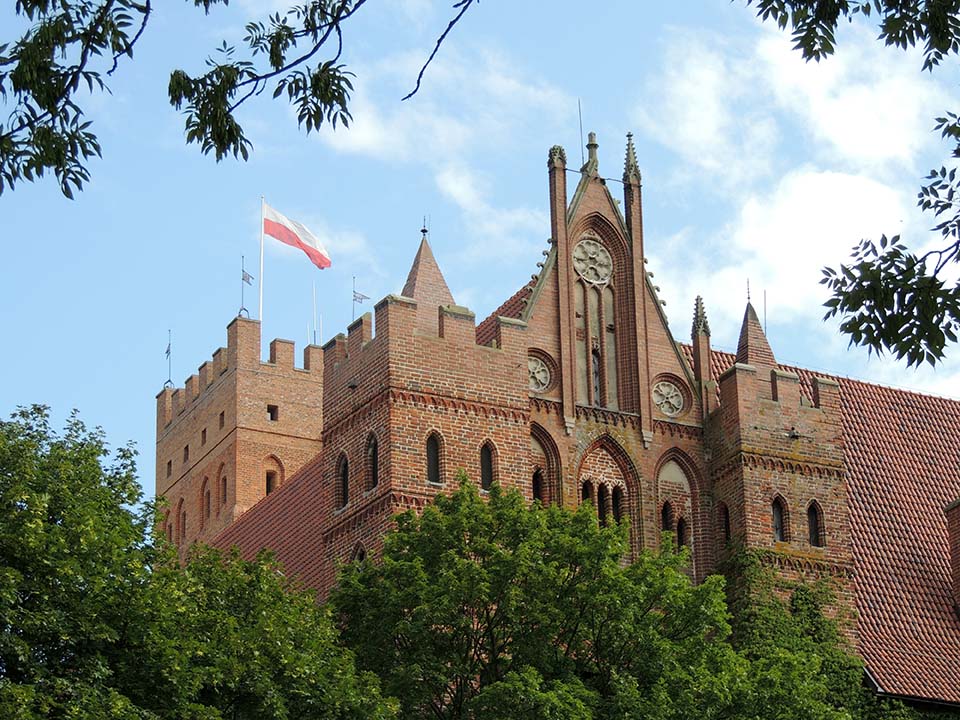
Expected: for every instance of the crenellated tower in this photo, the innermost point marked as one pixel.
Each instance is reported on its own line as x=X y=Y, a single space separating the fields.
x=235 y=432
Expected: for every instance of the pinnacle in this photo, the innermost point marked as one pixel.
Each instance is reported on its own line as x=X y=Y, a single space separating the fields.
x=631 y=171
x=753 y=347
x=700 y=324
x=591 y=166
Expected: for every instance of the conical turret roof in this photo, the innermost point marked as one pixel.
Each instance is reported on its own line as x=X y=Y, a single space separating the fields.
x=426 y=285
x=753 y=348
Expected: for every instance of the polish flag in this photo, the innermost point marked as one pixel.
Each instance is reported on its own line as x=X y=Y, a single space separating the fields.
x=291 y=232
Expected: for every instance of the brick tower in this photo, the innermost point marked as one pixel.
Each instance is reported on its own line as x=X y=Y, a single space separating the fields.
x=235 y=432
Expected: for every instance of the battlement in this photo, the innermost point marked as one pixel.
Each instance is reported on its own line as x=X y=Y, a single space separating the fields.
x=242 y=352
x=388 y=351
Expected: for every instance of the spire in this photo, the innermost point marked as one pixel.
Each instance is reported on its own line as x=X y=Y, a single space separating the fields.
x=591 y=166
x=753 y=348
x=426 y=285
x=631 y=171
x=700 y=324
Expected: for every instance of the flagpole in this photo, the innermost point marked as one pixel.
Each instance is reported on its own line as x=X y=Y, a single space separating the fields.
x=260 y=284
x=314 y=318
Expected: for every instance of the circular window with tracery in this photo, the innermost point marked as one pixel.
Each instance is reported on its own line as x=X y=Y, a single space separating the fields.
x=539 y=374
x=668 y=398
x=592 y=261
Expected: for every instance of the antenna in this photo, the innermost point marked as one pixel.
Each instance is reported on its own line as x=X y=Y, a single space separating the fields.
x=580 y=116
x=169 y=382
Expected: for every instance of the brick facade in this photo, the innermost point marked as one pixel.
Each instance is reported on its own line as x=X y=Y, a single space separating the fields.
x=576 y=387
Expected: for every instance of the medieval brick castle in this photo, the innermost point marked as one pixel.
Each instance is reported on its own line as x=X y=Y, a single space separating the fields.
x=575 y=389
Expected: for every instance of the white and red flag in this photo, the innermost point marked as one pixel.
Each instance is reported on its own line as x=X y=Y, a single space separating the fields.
x=290 y=232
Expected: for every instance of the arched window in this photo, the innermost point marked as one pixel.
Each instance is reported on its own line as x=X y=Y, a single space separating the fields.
x=433 y=459
x=169 y=530
x=373 y=462
x=815 y=524
x=486 y=465
x=666 y=517
x=723 y=518
x=618 y=504
x=781 y=528
x=270 y=482
x=682 y=538
x=223 y=490
x=206 y=503
x=586 y=492
x=603 y=503
x=343 y=481
x=538 y=485
x=359 y=554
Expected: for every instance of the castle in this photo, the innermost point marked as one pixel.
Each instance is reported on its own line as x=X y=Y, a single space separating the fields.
x=574 y=390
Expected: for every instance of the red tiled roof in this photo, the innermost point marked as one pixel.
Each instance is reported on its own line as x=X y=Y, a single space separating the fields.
x=902 y=457
x=288 y=522
x=512 y=308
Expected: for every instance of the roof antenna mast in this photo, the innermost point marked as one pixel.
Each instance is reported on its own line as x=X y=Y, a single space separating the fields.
x=580 y=116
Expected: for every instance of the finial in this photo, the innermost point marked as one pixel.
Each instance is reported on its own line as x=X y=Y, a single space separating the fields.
x=557 y=156
x=631 y=171
x=748 y=290
x=591 y=165
x=424 y=229
x=700 y=324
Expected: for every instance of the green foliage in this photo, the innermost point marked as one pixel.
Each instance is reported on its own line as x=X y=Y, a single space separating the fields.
x=98 y=622
x=890 y=299
x=488 y=608
x=76 y=44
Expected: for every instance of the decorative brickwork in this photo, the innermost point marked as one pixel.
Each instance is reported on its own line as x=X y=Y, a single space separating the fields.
x=575 y=389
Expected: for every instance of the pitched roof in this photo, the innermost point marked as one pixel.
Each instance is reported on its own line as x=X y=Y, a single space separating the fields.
x=512 y=308
x=426 y=285
x=903 y=466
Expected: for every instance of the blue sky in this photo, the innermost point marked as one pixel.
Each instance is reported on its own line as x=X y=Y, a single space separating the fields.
x=755 y=166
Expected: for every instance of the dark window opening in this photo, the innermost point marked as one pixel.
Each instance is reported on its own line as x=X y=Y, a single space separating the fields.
x=602 y=504
x=271 y=481
x=596 y=377
x=203 y=436
x=433 y=459
x=186 y=453
x=681 y=533
x=618 y=504
x=725 y=522
x=779 y=521
x=373 y=463
x=222 y=421
x=666 y=518
x=169 y=468
x=486 y=466
x=359 y=555
x=586 y=492
x=815 y=525
x=273 y=413
x=538 y=485
x=183 y=526
x=223 y=490
x=343 y=473
x=206 y=503
x=169 y=531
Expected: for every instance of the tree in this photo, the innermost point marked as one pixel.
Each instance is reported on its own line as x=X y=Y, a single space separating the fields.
x=97 y=620
x=891 y=299
x=75 y=44
x=490 y=609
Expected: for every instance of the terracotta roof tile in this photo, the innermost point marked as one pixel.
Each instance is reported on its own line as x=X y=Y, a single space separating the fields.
x=512 y=308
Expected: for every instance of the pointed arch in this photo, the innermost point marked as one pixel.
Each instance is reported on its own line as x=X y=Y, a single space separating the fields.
x=626 y=477
x=780 y=519
x=358 y=554
x=222 y=486
x=815 y=531
x=666 y=517
x=546 y=458
x=181 y=522
x=488 y=464
x=272 y=473
x=679 y=482
x=204 y=502
x=343 y=481
x=723 y=523
x=372 y=458
x=434 y=451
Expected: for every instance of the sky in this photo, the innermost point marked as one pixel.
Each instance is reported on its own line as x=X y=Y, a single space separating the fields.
x=757 y=167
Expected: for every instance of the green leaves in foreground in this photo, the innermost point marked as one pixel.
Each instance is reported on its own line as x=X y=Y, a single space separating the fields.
x=489 y=609
x=97 y=622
